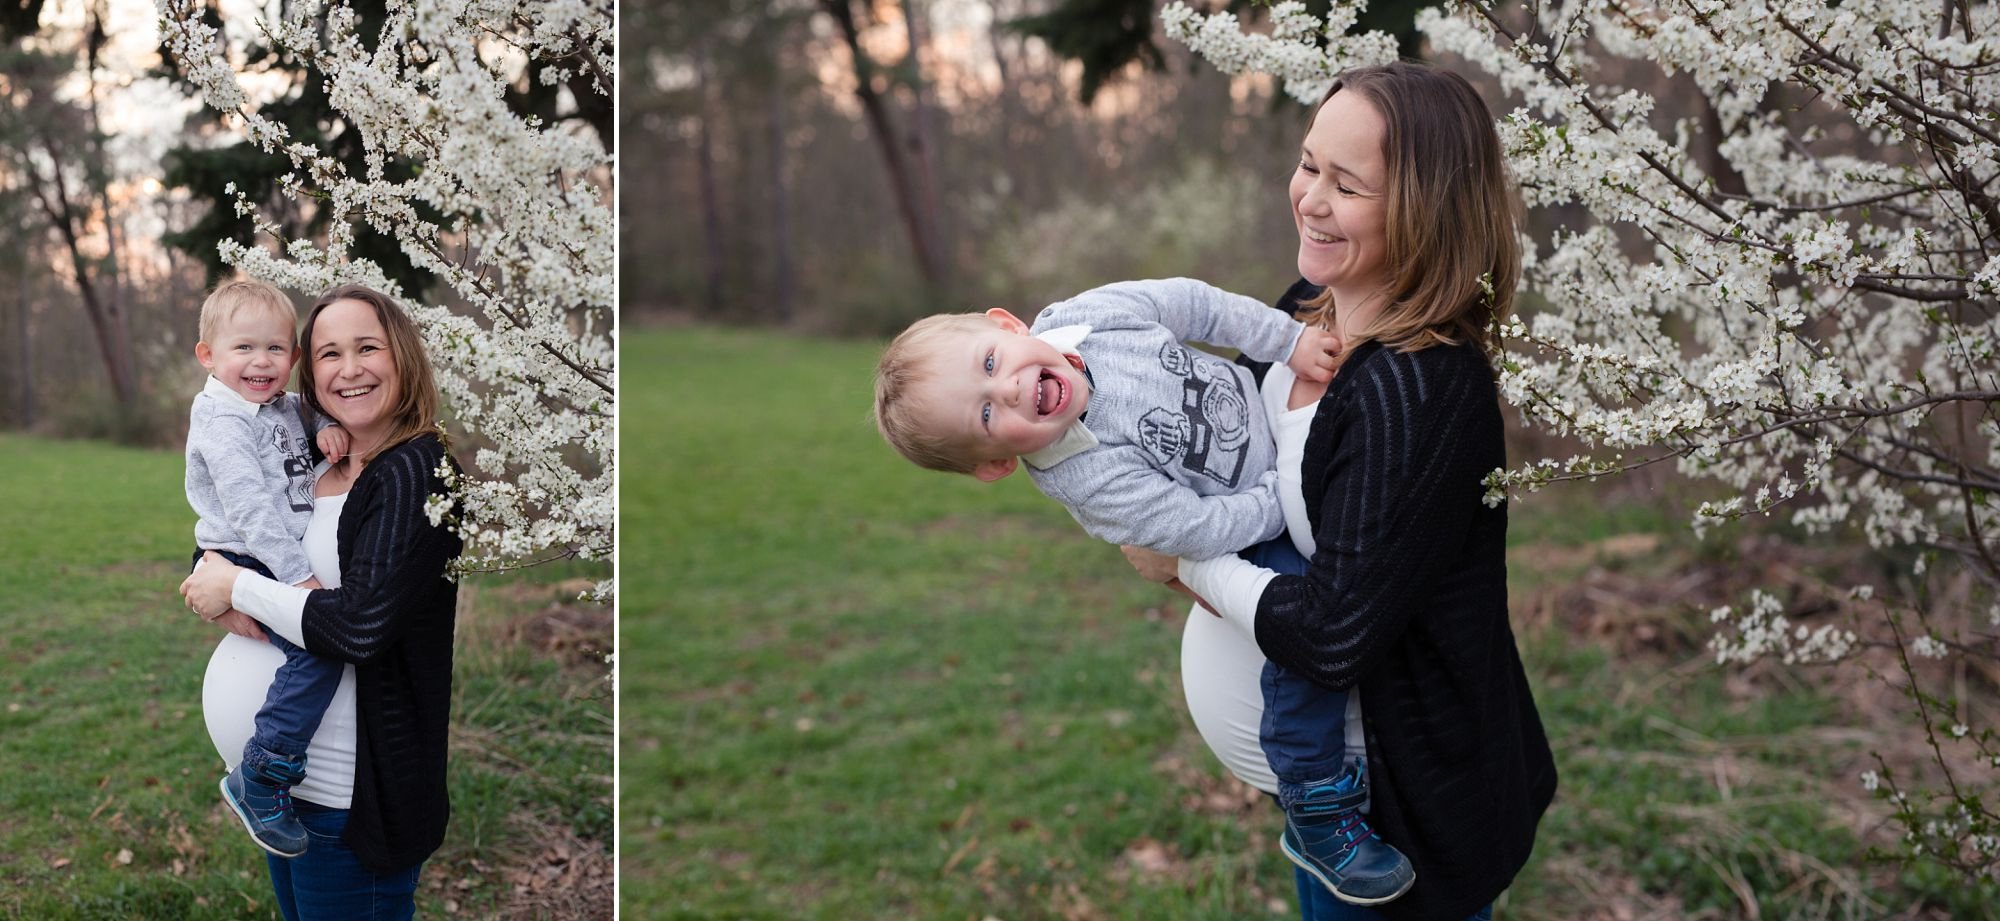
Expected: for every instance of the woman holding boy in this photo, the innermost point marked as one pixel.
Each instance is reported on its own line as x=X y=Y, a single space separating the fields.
x=1408 y=252
x=380 y=806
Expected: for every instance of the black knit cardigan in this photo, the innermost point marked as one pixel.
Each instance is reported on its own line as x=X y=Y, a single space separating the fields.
x=1406 y=598
x=392 y=617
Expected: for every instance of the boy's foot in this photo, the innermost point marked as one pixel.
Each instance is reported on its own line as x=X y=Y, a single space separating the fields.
x=1327 y=837
x=266 y=812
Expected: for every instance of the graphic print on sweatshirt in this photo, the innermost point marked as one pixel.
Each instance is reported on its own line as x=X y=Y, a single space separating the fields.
x=298 y=468
x=1208 y=433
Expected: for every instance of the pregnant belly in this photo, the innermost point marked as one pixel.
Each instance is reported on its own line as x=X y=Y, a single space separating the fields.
x=232 y=691
x=1222 y=674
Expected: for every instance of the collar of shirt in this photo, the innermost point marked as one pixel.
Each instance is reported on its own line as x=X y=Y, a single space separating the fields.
x=1077 y=438
x=219 y=390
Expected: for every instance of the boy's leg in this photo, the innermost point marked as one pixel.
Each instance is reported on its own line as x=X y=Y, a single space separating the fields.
x=1304 y=735
x=259 y=789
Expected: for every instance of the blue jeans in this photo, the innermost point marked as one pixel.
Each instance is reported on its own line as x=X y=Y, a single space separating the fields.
x=300 y=691
x=1304 y=733
x=328 y=883
x=1316 y=903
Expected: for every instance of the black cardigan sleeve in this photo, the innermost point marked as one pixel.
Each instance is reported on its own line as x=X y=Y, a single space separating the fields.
x=1401 y=442
x=390 y=553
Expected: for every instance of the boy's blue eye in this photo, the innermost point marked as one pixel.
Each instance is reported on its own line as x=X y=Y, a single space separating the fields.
x=989 y=362
x=986 y=414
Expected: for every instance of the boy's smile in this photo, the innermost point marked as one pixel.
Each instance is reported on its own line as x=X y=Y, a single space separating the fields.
x=252 y=356
x=1004 y=393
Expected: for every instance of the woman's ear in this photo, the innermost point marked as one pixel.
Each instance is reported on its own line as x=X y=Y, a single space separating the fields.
x=1007 y=321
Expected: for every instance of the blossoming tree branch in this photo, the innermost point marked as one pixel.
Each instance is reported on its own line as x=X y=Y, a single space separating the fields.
x=1787 y=287
x=508 y=212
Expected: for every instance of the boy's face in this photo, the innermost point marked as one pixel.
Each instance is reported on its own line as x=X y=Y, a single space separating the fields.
x=1002 y=393
x=252 y=354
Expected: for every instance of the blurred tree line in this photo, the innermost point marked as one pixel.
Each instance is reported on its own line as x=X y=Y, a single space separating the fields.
x=97 y=328
x=848 y=165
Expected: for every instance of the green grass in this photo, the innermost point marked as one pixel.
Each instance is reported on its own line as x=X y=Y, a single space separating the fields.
x=108 y=806
x=854 y=689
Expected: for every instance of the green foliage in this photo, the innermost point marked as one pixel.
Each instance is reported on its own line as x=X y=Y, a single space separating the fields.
x=1088 y=241
x=109 y=809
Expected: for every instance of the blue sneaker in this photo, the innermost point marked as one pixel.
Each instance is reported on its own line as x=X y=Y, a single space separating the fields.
x=1327 y=837
x=266 y=812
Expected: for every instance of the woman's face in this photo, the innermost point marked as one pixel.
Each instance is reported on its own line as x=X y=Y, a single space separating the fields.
x=354 y=373
x=1339 y=199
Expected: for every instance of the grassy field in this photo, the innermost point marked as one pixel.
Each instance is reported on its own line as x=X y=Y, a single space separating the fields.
x=852 y=689
x=108 y=807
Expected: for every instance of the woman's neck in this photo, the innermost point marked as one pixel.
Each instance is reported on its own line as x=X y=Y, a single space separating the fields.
x=363 y=443
x=1354 y=311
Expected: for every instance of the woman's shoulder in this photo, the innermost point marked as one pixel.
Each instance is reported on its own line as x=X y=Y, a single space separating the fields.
x=1461 y=360
x=415 y=459
x=1437 y=379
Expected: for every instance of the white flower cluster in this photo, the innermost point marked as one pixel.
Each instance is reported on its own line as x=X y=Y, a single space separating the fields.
x=1764 y=630
x=512 y=215
x=1292 y=51
x=1810 y=339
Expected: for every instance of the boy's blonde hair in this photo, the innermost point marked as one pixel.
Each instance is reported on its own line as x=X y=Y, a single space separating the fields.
x=904 y=368
x=232 y=297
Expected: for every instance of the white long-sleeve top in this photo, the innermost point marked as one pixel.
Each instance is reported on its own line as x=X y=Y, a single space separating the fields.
x=1221 y=666
x=240 y=671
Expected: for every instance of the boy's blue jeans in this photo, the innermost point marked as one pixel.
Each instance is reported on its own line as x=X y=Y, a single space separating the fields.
x=328 y=883
x=300 y=691
x=1304 y=732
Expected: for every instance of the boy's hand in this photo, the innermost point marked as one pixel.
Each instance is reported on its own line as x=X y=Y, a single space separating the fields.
x=332 y=443
x=310 y=584
x=1316 y=356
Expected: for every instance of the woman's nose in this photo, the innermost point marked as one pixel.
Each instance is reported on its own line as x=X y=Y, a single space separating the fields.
x=1315 y=202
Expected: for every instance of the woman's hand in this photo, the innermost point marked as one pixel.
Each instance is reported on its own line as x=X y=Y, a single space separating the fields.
x=1152 y=565
x=1166 y=570
x=208 y=588
x=240 y=624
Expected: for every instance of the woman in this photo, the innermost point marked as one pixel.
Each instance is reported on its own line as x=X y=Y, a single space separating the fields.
x=1408 y=251
x=374 y=802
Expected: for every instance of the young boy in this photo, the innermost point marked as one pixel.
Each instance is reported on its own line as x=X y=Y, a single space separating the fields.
x=250 y=481
x=1148 y=442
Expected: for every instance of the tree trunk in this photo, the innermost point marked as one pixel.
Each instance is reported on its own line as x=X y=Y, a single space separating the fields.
x=711 y=208
x=113 y=275
x=24 y=361
x=923 y=142
x=784 y=302
x=930 y=263
x=1010 y=166
x=107 y=319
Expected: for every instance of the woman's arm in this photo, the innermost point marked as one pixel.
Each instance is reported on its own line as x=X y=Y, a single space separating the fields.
x=1402 y=465
x=391 y=555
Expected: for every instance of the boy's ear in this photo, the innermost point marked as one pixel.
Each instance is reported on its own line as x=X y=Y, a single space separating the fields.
x=993 y=470
x=204 y=354
x=1008 y=322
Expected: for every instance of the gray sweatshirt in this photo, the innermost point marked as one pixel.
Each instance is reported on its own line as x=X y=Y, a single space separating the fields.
x=250 y=478
x=1184 y=463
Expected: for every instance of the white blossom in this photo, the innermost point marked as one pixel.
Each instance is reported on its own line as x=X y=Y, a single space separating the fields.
x=511 y=215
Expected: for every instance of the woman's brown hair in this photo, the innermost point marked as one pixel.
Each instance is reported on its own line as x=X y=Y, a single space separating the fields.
x=416 y=410
x=1454 y=256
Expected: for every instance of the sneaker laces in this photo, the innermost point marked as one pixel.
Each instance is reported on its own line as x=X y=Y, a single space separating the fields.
x=1353 y=829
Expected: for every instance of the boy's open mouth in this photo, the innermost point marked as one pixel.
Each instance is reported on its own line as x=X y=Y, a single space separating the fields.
x=1051 y=394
